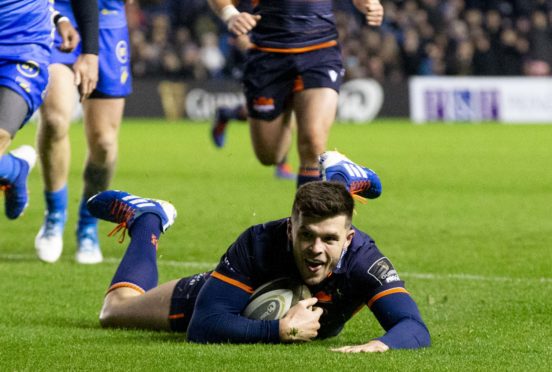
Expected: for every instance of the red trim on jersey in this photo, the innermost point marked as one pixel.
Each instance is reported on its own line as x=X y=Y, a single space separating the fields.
x=310 y=48
x=385 y=293
x=231 y=281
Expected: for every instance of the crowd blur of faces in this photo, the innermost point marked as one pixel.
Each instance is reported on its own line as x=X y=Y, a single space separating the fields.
x=182 y=40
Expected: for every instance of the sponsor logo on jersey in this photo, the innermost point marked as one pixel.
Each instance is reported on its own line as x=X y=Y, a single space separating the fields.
x=324 y=297
x=263 y=104
x=383 y=271
x=28 y=69
x=121 y=50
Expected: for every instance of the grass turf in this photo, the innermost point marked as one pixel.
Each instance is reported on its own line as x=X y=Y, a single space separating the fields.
x=464 y=216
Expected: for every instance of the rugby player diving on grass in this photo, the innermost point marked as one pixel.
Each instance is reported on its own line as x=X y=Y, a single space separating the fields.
x=317 y=245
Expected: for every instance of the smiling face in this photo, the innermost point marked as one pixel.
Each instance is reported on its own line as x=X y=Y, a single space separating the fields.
x=318 y=244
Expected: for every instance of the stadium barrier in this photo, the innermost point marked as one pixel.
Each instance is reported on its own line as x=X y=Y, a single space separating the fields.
x=360 y=100
x=480 y=99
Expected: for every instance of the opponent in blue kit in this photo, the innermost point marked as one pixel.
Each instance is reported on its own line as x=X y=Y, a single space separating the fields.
x=295 y=65
x=26 y=36
x=318 y=245
x=103 y=107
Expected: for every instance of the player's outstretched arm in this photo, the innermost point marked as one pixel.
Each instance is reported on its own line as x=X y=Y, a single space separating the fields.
x=374 y=346
x=302 y=321
x=399 y=316
x=372 y=9
x=238 y=23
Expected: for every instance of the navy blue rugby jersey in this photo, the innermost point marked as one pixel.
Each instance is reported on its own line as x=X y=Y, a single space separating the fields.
x=294 y=26
x=264 y=252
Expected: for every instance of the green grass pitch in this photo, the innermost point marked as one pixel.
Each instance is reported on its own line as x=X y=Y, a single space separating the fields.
x=465 y=216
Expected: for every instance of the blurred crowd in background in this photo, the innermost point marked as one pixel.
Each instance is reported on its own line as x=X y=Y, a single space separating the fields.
x=182 y=39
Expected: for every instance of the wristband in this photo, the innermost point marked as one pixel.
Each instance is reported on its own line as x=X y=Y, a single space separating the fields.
x=58 y=18
x=228 y=12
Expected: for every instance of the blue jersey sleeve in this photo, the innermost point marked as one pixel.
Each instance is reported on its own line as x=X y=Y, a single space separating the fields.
x=398 y=314
x=386 y=296
x=217 y=317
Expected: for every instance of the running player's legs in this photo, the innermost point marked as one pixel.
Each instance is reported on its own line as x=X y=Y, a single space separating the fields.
x=103 y=113
x=271 y=139
x=103 y=119
x=53 y=130
x=315 y=110
x=55 y=152
x=13 y=110
x=268 y=82
x=315 y=104
x=22 y=85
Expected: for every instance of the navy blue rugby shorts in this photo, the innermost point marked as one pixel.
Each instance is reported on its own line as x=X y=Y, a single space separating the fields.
x=270 y=79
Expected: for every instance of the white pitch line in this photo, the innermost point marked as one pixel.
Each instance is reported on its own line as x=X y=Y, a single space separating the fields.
x=211 y=265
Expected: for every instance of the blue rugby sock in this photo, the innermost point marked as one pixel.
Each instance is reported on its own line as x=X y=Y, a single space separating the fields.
x=85 y=217
x=56 y=201
x=308 y=174
x=138 y=268
x=10 y=167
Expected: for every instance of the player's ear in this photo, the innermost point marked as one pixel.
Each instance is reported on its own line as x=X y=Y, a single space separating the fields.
x=349 y=238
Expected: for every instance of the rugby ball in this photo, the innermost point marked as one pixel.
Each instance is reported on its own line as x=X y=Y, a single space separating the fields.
x=272 y=300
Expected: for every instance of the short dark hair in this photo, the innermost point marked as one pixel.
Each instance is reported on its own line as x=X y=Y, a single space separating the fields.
x=323 y=199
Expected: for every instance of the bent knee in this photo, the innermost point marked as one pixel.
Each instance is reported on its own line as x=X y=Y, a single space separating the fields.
x=54 y=125
x=268 y=158
x=107 y=318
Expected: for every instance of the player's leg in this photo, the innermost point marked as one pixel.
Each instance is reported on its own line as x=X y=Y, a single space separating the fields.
x=102 y=117
x=15 y=166
x=284 y=169
x=320 y=73
x=268 y=85
x=54 y=148
x=13 y=110
x=315 y=110
x=133 y=298
x=271 y=139
x=103 y=113
x=223 y=115
x=129 y=308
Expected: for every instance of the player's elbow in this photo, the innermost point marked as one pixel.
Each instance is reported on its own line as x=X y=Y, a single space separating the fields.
x=201 y=332
x=423 y=337
x=194 y=333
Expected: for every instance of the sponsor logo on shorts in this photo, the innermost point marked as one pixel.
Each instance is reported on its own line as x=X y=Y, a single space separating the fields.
x=24 y=84
x=263 y=104
x=121 y=50
x=333 y=75
x=124 y=75
x=28 y=69
x=383 y=271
